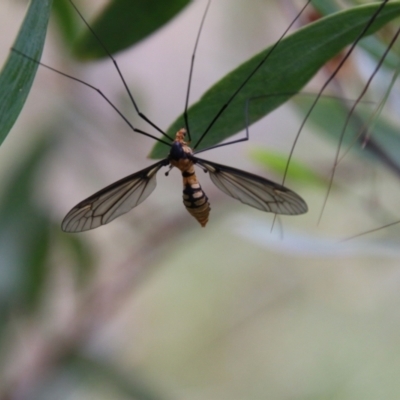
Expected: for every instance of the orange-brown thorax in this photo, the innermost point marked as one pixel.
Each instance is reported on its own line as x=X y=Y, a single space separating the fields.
x=194 y=199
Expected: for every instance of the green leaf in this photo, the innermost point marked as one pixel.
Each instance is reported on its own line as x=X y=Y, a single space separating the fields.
x=330 y=117
x=276 y=162
x=18 y=73
x=132 y=386
x=289 y=67
x=375 y=46
x=326 y=7
x=24 y=235
x=66 y=20
x=83 y=257
x=36 y=246
x=123 y=23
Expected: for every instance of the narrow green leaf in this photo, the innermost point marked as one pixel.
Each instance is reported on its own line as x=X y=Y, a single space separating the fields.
x=18 y=73
x=36 y=246
x=66 y=20
x=123 y=23
x=276 y=162
x=24 y=235
x=326 y=7
x=375 y=46
x=4 y=323
x=290 y=66
x=83 y=257
x=330 y=117
x=132 y=386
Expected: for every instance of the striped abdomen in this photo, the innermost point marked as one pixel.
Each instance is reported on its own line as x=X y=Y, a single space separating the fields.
x=194 y=199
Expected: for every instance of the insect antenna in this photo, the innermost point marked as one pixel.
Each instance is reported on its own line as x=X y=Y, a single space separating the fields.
x=222 y=109
x=191 y=70
x=141 y=115
x=98 y=91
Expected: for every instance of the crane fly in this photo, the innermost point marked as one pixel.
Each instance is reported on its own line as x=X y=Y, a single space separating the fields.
x=127 y=193
x=250 y=189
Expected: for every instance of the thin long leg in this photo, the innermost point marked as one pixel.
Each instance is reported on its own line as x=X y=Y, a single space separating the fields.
x=370 y=231
x=98 y=91
x=364 y=138
x=243 y=139
x=247 y=129
x=141 y=115
x=332 y=76
x=191 y=70
x=366 y=135
x=222 y=109
x=222 y=144
x=350 y=114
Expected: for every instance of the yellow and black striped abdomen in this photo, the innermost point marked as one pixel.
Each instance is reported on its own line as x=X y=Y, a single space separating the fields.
x=194 y=199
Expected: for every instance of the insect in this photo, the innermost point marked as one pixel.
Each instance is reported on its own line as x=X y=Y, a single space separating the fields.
x=127 y=193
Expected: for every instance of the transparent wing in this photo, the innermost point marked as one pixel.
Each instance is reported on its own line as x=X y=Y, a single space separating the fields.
x=112 y=201
x=254 y=190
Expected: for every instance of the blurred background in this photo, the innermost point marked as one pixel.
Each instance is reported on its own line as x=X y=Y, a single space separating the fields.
x=152 y=306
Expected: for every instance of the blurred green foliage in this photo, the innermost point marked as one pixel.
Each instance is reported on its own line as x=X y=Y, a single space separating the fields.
x=29 y=236
x=276 y=163
x=123 y=23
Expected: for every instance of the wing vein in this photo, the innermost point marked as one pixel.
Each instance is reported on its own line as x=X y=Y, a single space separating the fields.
x=254 y=190
x=113 y=201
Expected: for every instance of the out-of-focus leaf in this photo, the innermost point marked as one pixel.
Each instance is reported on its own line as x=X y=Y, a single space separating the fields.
x=326 y=7
x=276 y=162
x=130 y=386
x=66 y=18
x=36 y=247
x=24 y=235
x=18 y=73
x=330 y=117
x=4 y=318
x=289 y=67
x=373 y=45
x=123 y=23
x=84 y=259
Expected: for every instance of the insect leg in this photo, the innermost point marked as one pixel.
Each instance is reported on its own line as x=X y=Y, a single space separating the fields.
x=141 y=115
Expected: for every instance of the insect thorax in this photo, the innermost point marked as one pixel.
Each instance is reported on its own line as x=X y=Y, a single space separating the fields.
x=179 y=155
